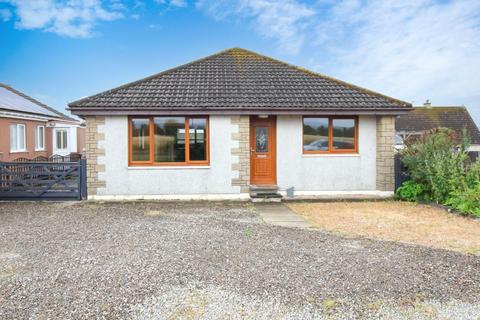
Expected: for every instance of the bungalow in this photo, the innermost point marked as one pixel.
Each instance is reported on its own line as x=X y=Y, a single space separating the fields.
x=31 y=129
x=427 y=117
x=238 y=121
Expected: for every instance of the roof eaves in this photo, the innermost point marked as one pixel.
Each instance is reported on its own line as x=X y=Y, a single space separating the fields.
x=82 y=111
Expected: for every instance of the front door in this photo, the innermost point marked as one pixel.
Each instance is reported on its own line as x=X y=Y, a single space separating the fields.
x=263 y=150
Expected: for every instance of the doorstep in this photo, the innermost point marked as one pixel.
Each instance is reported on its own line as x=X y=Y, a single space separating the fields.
x=265 y=193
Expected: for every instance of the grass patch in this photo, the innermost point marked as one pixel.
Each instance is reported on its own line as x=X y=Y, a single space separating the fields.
x=395 y=221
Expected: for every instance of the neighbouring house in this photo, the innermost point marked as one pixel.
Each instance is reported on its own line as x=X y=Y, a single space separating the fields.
x=30 y=129
x=428 y=117
x=238 y=121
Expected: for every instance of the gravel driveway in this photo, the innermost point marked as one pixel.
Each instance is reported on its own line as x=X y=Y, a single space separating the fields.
x=202 y=260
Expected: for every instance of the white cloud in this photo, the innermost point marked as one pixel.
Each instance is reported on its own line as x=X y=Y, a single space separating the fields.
x=73 y=18
x=285 y=21
x=178 y=3
x=154 y=26
x=411 y=49
x=173 y=3
x=5 y=15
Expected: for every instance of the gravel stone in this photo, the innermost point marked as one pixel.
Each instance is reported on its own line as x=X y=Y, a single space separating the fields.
x=210 y=260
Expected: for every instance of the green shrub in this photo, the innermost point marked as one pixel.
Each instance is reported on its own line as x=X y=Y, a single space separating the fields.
x=466 y=201
x=437 y=160
x=441 y=171
x=411 y=191
x=473 y=174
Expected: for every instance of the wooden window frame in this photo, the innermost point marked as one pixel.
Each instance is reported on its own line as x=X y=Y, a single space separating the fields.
x=151 y=162
x=331 y=150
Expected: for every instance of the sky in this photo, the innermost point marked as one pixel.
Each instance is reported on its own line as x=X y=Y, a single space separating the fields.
x=61 y=50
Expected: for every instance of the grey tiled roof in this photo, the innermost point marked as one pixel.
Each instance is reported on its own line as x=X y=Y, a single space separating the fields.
x=423 y=118
x=239 y=79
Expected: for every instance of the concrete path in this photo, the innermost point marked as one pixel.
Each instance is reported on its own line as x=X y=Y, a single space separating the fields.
x=280 y=215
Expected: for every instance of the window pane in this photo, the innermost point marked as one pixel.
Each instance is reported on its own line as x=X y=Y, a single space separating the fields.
x=39 y=138
x=140 y=140
x=13 y=137
x=21 y=137
x=261 y=139
x=315 y=134
x=59 y=137
x=64 y=139
x=169 y=139
x=343 y=134
x=42 y=137
x=198 y=135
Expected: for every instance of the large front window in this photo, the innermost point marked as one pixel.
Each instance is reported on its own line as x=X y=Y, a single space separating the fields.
x=169 y=140
x=330 y=135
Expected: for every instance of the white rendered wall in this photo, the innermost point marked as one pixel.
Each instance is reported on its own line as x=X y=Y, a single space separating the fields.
x=325 y=172
x=122 y=180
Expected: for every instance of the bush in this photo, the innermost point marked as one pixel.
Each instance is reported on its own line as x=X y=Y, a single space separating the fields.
x=441 y=171
x=437 y=161
x=467 y=201
x=473 y=174
x=411 y=191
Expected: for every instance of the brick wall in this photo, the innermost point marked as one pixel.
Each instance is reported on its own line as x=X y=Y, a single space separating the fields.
x=241 y=152
x=30 y=129
x=95 y=153
x=385 y=153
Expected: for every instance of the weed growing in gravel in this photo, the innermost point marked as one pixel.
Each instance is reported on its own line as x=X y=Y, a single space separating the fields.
x=249 y=232
x=375 y=305
x=330 y=304
x=153 y=213
x=7 y=271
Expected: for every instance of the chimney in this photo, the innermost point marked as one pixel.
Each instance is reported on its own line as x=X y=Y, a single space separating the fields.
x=427 y=104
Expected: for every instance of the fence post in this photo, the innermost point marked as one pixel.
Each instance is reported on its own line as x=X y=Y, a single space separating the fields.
x=83 y=179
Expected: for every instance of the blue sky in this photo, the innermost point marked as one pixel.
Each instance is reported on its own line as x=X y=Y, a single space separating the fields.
x=62 y=50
